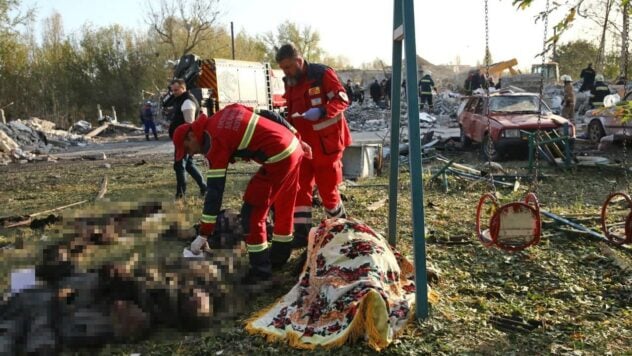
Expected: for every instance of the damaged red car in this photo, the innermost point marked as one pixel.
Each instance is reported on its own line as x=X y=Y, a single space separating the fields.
x=510 y=118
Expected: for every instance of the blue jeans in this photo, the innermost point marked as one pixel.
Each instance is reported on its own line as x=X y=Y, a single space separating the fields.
x=181 y=182
x=149 y=124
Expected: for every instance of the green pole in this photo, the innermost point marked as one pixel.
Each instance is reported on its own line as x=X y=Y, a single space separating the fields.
x=416 y=179
x=396 y=80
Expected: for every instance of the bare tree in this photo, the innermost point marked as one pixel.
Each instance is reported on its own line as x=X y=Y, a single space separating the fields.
x=305 y=38
x=624 y=38
x=603 y=19
x=183 y=25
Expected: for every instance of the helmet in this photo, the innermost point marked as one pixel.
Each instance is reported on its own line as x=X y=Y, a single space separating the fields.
x=428 y=73
x=566 y=78
x=599 y=77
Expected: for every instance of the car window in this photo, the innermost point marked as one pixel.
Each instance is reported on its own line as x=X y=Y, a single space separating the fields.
x=511 y=104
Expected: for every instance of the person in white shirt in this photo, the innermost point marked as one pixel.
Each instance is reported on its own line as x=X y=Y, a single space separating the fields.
x=185 y=110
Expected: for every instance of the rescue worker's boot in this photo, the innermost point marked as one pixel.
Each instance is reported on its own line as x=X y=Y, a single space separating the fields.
x=338 y=212
x=260 y=267
x=281 y=250
x=302 y=225
x=301 y=231
x=156 y=136
x=147 y=137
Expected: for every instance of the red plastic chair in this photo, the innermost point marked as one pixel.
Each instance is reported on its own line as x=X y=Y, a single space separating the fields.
x=513 y=226
x=619 y=236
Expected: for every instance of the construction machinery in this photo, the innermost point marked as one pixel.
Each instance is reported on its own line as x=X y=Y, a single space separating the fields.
x=531 y=82
x=217 y=83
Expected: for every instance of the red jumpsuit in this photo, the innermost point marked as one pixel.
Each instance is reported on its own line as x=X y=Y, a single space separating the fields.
x=236 y=132
x=328 y=137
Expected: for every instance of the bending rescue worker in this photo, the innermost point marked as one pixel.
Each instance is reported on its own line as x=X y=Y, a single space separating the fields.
x=236 y=132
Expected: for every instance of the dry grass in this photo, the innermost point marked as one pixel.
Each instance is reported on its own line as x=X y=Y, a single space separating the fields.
x=571 y=284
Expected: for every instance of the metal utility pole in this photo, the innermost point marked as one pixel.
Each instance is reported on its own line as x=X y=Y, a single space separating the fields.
x=232 y=38
x=404 y=36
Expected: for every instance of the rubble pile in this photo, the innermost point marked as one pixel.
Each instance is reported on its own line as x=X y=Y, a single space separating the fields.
x=367 y=118
x=33 y=139
x=87 y=297
x=447 y=103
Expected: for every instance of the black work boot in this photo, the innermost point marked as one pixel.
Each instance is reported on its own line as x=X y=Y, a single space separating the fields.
x=156 y=136
x=301 y=231
x=147 y=137
x=280 y=251
x=260 y=268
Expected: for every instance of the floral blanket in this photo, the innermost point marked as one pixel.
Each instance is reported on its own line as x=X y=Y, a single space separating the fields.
x=353 y=285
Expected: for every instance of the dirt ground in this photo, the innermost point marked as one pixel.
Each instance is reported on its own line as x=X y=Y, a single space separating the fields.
x=574 y=291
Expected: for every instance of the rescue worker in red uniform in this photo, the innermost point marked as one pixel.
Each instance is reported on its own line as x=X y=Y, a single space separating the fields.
x=316 y=100
x=236 y=132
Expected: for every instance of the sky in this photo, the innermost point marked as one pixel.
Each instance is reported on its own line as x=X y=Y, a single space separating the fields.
x=360 y=30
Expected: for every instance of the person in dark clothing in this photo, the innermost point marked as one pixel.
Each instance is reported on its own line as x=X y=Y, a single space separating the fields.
x=387 y=92
x=599 y=91
x=499 y=84
x=491 y=83
x=426 y=85
x=358 y=93
x=185 y=110
x=147 y=118
x=467 y=85
x=349 y=90
x=588 y=75
x=404 y=88
x=376 y=92
x=477 y=80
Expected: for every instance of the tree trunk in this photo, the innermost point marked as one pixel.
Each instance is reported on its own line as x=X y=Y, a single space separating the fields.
x=602 y=42
x=624 y=40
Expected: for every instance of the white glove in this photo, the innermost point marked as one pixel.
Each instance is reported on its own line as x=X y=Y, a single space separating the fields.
x=199 y=244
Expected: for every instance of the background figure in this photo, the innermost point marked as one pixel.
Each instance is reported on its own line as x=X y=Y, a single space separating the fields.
x=376 y=92
x=568 y=105
x=588 y=75
x=185 y=109
x=349 y=90
x=147 y=118
x=387 y=92
x=358 y=93
x=426 y=85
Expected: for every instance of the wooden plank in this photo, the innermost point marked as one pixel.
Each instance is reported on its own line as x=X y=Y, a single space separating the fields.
x=97 y=131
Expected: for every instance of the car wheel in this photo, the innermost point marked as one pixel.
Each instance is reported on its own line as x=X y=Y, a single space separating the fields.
x=595 y=131
x=489 y=149
x=466 y=142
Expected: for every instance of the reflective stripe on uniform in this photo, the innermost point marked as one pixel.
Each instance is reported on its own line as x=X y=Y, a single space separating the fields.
x=302 y=209
x=216 y=173
x=426 y=93
x=327 y=123
x=285 y=153
x=282 y=238
x=250 y=130
x=208 y=219
x=302 y=220
x=258 y=248
x=603 y=88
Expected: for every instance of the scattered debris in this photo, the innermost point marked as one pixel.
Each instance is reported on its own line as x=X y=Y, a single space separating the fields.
x=82 y=127
x=511 y=324
x=378 y=204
